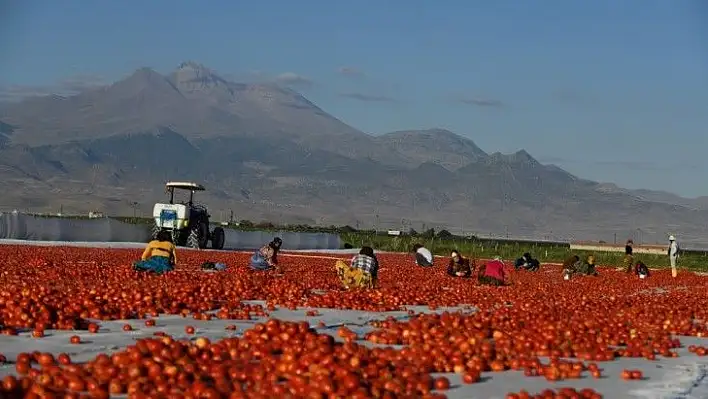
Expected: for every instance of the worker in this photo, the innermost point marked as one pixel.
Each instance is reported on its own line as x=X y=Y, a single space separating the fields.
x=569 y=266
x=673 y=255
x=492 y=273
x=527 y=262
x=459 y=266
x=266 y=257
x=641 y=270
x=423 y=256
x=160 y=255
x=584 y=268
x=628 y=260
x=362 y=272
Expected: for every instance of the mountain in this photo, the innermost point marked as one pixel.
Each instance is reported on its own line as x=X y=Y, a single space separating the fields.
x=192 y=100
x=700 y=203
x=433 y=145
x=265 y=152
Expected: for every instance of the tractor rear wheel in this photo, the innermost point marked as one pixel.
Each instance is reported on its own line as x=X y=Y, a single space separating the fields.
x=198 y=236
x=217 y=238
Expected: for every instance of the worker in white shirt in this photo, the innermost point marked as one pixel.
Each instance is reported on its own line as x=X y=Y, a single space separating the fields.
x=423 y=257
x=673 y=254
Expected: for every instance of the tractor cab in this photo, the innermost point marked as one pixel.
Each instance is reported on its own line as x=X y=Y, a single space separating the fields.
x=170 y=187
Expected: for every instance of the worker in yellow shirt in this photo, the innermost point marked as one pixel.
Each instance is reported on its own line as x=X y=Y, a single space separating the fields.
x=160 y=255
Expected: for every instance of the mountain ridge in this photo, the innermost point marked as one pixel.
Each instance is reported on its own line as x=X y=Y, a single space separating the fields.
x=268 y=152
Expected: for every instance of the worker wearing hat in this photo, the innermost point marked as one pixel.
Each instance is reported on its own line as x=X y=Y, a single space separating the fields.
x=673 y=252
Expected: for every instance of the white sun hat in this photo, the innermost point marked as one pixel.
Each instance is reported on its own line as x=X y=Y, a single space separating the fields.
x=672 y=238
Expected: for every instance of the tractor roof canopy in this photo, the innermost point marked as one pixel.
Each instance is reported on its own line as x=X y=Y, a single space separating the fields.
x=180 y=185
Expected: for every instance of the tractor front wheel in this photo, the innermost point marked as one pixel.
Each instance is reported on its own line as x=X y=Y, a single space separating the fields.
x=198 y=236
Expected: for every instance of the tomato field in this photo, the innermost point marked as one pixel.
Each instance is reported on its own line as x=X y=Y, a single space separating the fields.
x=436 y=336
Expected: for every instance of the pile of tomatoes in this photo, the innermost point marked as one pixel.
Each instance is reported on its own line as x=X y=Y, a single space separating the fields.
x=590 y=320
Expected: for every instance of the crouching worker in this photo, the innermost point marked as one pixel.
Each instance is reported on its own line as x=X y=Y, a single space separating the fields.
x=641 y=270
x=584 y=268
x=527 y=262
x=569 y=266
x=159 y=255
x=266 y=258
x=492 y=273
x=459 y=266
x=423 y=257
x=362 y=272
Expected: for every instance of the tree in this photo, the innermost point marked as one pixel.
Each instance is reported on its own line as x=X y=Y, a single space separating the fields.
x=346 y=229
x=265 y=225
x=444 y=234
x=430 y=233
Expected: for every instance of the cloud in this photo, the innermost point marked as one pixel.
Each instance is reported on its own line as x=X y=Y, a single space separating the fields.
x=69 y=86
x=480 y=102
x=350 y=71
x=367 y=97
x=293 y=79
x=79 y=83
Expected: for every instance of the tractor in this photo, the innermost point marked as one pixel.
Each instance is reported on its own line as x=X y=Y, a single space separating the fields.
x=187 y=221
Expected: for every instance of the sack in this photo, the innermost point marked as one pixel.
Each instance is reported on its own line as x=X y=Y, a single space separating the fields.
x=213 y=267
x=258 y=262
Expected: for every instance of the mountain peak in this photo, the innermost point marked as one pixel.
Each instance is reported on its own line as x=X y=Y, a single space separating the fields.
x=192 y=77
x=521 y=157
x=143 y=75
x=192 y=65
x=139 y=80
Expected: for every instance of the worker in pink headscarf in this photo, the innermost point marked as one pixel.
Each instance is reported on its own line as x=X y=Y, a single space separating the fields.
x=492 y=273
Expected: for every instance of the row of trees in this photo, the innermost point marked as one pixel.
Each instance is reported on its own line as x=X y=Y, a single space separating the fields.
x=429 y=233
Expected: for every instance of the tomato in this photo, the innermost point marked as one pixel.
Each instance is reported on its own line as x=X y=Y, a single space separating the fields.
x=46 y=289
x=470 y=377
x=442 y=384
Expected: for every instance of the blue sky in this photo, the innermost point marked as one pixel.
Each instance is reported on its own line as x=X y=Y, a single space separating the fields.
x=610 y=90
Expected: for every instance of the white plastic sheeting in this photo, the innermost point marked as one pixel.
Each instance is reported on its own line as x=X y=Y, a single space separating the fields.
x=19 y=226
x=255 y=239
x=43 y=228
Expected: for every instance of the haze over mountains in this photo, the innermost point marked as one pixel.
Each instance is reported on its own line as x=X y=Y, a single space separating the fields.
x=267 y=153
